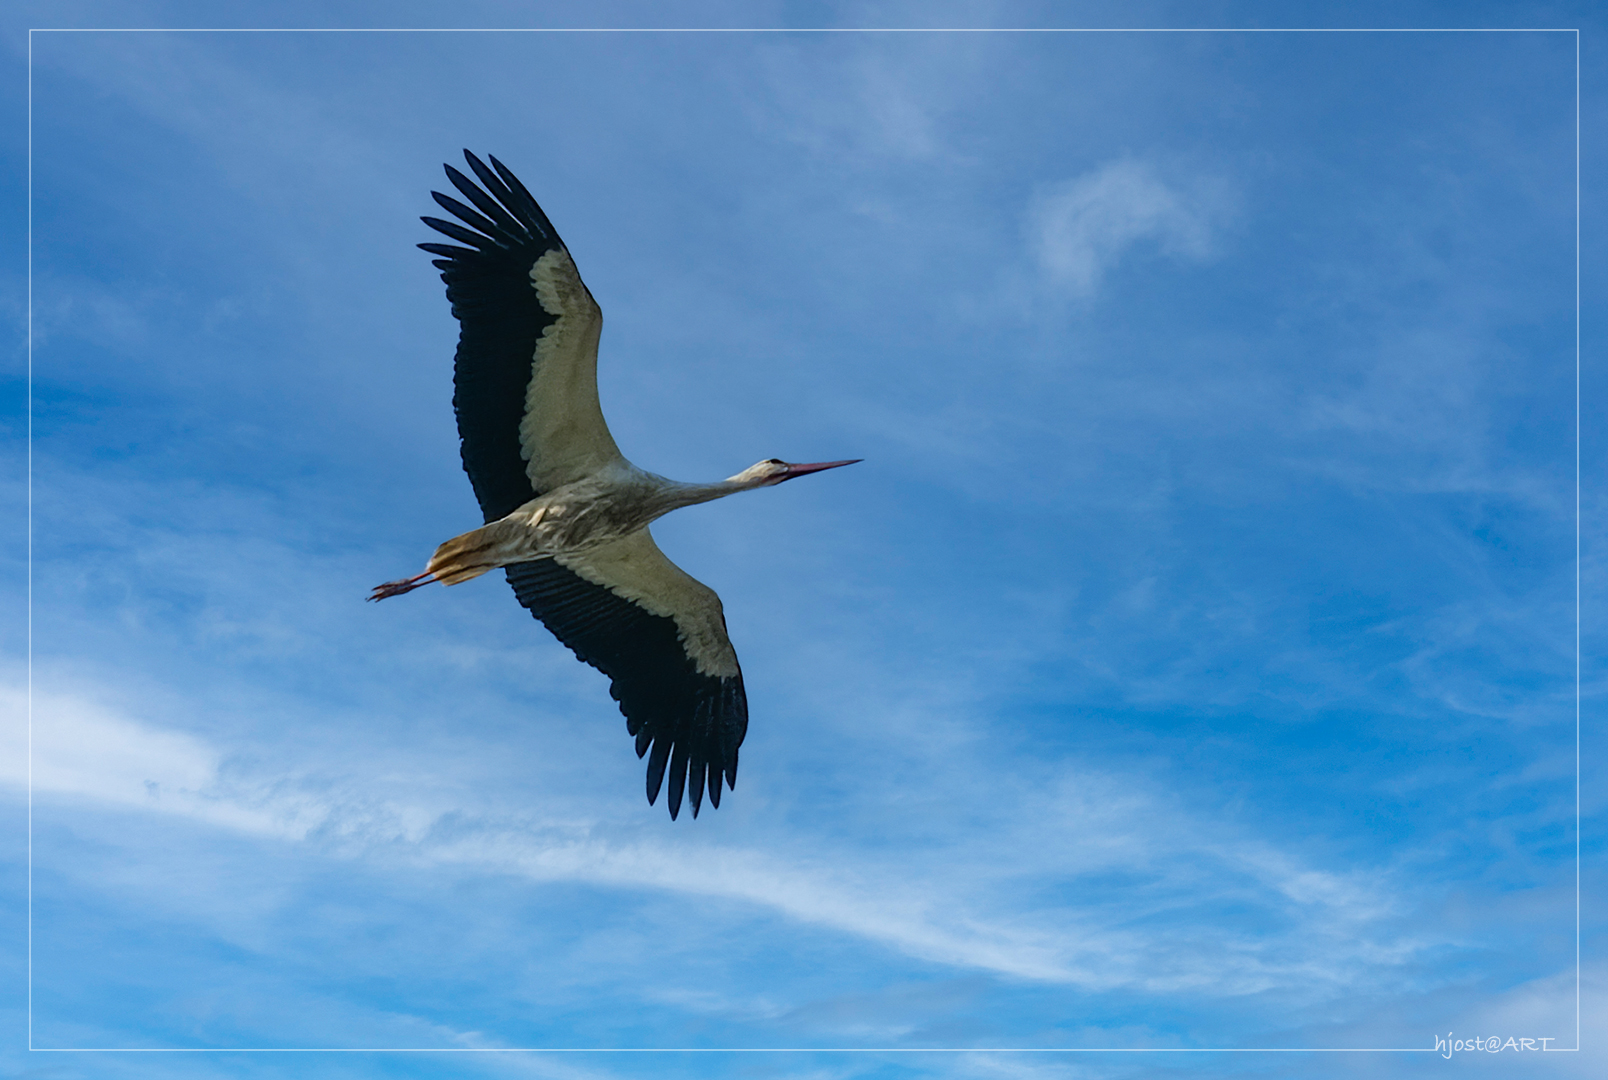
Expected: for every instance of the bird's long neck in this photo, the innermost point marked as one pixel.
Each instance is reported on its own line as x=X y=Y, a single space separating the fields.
x=678 y=495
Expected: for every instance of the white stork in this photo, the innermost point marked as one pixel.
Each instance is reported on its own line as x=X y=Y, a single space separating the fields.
x=566 y=513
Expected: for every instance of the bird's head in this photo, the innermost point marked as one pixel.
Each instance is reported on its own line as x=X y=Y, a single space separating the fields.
x=772 y=471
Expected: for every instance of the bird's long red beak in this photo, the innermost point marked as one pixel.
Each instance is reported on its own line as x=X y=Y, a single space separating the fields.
x=817 y=466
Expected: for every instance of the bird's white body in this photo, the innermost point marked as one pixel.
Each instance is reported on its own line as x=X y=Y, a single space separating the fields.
x=612 y=503
x=597 y=526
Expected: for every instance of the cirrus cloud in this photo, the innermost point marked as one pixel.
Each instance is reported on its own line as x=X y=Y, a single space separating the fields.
x=1082 y=227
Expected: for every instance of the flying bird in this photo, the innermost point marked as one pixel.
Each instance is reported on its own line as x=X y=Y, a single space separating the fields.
x=566 y=514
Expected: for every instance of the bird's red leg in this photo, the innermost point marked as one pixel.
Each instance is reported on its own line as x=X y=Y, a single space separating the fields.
x=397 y=588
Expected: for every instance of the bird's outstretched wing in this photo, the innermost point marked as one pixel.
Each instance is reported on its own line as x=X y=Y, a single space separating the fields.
x=525 y=381
x=660 y=636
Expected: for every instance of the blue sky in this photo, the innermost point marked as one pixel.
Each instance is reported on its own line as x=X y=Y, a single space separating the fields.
x=1190 y=664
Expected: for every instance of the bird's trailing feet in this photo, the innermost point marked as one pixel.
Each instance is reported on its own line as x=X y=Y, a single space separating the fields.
x=404 y=585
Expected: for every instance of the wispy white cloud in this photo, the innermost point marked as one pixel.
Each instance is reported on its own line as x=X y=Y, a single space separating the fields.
x=954 y=907
x=1082 y=227
x=83 y=748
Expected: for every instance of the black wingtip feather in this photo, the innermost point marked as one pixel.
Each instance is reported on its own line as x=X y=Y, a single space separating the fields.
x=451 y=251
x=656 y=764
x=695 y=782
x=458 y=232
x=678 y=777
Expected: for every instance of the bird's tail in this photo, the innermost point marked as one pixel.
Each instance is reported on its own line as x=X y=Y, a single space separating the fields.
x=472 y=554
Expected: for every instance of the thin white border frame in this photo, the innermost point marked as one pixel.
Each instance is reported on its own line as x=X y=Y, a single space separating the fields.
x=785 y=30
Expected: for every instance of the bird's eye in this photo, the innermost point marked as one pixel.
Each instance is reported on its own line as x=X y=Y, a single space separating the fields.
x=775 y=461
